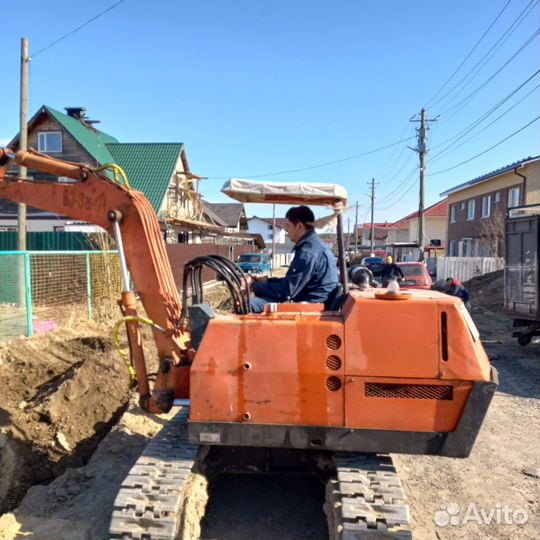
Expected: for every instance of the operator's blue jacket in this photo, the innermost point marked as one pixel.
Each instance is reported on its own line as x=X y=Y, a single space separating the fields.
x=312 y=275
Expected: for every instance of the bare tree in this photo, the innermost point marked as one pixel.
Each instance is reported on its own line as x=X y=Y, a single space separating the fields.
x=492 y=233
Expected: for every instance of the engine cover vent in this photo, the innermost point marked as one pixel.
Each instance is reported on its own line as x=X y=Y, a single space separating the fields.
x=409 y=391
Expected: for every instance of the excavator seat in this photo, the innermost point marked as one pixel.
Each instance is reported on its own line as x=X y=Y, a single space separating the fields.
x=335 y=299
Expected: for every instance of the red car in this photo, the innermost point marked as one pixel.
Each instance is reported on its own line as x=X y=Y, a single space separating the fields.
x=415 y=275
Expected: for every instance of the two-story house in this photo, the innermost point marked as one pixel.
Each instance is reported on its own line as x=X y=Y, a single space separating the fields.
x=477 y=208
x=265 y=227
x=160 y=170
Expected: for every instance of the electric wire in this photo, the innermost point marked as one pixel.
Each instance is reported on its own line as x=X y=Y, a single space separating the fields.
x=484 y=60
x=487 y=150
x=80 y=27
x=442 y=153
x=458 y=136
x=469 y=53
x=341 y=160
x=465 y=100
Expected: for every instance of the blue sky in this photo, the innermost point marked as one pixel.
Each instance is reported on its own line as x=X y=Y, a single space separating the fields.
x=257 y=87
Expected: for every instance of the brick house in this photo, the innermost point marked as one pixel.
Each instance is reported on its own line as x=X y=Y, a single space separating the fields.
x=477 y=208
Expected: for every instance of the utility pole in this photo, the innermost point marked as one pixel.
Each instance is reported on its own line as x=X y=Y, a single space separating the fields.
x=23 y=139
x=422 y=134
x=273 y=238
x=348 y=234
x=23 y=145
x=422 y=155
x=356 y=231
x=372 y=235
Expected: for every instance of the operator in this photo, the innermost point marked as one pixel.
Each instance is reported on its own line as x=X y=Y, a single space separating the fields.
x=312 y=275
x=390 y=271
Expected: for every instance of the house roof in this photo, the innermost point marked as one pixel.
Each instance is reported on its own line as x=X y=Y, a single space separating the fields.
x=229 y=213
x=91 y=139
x=280 y=222
x=492 y=174
x=439 y=209
x=148 y=166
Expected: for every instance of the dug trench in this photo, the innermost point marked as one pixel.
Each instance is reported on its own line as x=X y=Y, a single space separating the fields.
x=61 y=393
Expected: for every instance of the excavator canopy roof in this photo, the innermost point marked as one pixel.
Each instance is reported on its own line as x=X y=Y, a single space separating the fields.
x=252 y=191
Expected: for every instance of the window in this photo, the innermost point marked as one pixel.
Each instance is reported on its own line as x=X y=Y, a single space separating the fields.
x=462 y=205
x=486 y=206
x=471 y=206
x=513 y=197
x=497 y=197
x=466 y=247
x=270 y=227
x=50 y=142
x=453 y=213
x=452 y=248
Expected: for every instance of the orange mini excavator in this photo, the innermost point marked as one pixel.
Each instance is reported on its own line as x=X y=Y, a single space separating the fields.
x=367 y=374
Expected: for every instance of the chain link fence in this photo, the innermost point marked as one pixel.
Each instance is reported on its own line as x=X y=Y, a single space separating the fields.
x=44 y=290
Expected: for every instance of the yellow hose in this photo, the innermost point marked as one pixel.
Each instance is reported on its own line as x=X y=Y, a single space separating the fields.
x=116 y=170
x=122 y=352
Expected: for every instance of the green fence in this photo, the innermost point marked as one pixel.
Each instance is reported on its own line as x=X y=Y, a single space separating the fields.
x=52 y=241
x=43 y=290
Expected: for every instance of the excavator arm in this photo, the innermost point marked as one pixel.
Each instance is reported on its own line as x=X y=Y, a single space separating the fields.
x=127 y=215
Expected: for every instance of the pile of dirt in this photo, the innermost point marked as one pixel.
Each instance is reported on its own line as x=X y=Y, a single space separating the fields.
x=487 y=291
x=61 y=393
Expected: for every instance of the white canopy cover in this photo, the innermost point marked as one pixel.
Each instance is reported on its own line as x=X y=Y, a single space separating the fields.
x=253 y=191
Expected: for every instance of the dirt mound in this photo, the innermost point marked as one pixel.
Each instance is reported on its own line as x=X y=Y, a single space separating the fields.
x=61 y=393
x=487 y=291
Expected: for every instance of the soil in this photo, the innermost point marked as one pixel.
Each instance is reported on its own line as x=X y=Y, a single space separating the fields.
x=65 y=392
x=487 y=291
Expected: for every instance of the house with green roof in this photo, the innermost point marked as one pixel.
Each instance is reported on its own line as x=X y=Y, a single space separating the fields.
x=160 y=170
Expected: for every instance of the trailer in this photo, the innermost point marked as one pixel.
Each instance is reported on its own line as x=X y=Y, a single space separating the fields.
x=522 y=250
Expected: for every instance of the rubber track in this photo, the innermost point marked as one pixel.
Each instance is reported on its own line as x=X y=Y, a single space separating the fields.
x=150 y=502
x=366 y=500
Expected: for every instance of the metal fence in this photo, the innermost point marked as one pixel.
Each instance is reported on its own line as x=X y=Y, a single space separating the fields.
x=43 y=290
x=465 y=268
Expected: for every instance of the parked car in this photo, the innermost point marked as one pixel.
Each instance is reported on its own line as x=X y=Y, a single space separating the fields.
x=255 y=263
x=416 y=275
x=375 y=264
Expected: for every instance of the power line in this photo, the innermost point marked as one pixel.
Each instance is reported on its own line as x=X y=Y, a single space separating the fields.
x=458 y=136
x=341 y=160
x=469 y=54
x=489 y=79
x=80 y=27
x=497 y=45
x=409 y=181
x=444 y=152
x=487 y=150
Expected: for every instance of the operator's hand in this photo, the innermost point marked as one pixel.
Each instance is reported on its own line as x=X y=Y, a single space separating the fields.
x=259 y=279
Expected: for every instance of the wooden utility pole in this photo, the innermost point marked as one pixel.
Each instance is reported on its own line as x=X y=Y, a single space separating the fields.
x=372 y=234
x=356 y=230
x=23 y=139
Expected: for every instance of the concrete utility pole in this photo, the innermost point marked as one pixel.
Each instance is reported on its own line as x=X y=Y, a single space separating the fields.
x=23 y=138
x=356 y=230
x=372 y=234
x=422 y=134
x=422 y=155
